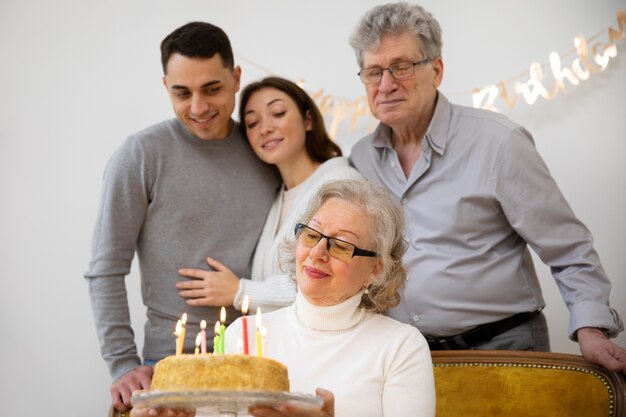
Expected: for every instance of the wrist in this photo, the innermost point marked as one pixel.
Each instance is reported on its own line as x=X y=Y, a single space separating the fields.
x=590 y=332
x=239 y=294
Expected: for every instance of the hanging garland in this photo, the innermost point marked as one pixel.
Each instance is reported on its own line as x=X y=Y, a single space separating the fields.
x=580 y=69
x=587 y=61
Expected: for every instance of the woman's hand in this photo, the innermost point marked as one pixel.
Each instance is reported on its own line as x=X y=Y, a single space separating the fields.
x=209 y=288
x=286 y=410
x=161 y=412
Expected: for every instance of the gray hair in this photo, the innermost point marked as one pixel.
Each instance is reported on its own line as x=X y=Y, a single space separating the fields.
x=397 y=18
x=387 y=222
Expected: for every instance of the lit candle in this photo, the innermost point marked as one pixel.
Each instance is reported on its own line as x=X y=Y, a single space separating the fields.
x=244 y=324
x=202 y=336
x=259 y=343
x=222 y=329
x=177 y=333
x=183 y=321
x=198 y=339
x=263 y=338
x=216 y=339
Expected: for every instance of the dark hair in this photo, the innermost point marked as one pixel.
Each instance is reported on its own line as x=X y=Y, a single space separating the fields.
x=197 y=40
x=319 y=146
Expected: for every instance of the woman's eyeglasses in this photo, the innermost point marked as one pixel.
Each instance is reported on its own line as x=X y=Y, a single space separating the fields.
x=337 y=248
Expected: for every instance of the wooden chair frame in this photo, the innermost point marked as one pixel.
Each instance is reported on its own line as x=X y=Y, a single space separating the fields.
x=614 y=382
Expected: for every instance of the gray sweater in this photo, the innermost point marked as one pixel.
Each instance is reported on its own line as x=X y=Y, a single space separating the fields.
x=174 y=200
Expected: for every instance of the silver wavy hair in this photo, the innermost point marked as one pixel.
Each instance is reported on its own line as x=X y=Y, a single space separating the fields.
x=396 y=18
x=386 y=220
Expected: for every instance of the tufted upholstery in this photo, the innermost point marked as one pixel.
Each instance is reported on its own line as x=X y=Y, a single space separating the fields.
x=475 y=383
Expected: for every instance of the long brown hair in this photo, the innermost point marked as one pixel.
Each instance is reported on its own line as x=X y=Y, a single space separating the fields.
x=319 y=146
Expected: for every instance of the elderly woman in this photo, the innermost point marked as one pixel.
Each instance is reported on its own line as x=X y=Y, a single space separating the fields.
x=347 y=261
x=346 y=255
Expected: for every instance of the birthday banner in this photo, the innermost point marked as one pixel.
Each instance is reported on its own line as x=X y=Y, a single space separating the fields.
x=580 y=69
x=591 y=57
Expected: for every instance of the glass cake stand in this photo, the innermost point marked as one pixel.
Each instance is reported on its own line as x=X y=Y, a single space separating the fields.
x=222 y=403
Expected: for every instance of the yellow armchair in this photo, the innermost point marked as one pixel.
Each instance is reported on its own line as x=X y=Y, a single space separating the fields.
x=474 y=383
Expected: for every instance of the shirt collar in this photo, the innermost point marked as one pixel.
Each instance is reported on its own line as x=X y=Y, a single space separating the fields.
x=436 y=134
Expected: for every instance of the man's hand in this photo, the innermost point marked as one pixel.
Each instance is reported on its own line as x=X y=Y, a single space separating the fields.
x=286 y=410
x=596 y=347
x=122 y=389
x=209 y=288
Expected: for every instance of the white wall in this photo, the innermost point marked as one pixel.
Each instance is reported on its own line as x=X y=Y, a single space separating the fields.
x=78 y=77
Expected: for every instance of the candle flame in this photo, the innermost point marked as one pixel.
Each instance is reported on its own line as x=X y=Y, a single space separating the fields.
x=184 y=319
x=179 y=328
x=244 y=305
x=203 y=324
x=198 y=339
x=258 y=319
x=217 y=327
x=223 y=315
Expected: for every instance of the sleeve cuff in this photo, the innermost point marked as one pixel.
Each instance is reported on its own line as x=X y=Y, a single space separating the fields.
x=592 y=314
x=241 y=292
x=123 y=366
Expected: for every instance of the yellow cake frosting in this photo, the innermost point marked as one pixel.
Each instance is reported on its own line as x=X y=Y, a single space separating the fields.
x=219 y=372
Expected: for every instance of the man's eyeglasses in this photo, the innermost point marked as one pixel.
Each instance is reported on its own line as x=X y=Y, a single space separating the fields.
x=399 y=71
x=337 y=248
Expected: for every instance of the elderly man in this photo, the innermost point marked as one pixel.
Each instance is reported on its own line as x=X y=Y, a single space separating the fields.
x=175 y=193
x=476 y=195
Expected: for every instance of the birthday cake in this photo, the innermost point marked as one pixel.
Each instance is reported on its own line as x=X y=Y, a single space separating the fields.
x=219 y=372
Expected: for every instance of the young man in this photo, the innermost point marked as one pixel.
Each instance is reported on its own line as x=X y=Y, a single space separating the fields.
x=176 y=193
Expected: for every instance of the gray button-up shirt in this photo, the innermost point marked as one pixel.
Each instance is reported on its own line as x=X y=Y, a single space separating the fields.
x=476 y=198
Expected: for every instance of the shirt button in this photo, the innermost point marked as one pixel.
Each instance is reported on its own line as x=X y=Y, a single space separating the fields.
x=416 y=318
x=393 y=165
x=404 y=202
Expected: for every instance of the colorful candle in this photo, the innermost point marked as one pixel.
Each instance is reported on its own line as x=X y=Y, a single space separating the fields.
x=177 y=333
x=216 y=339
x=263 y=338
x=259 y=343
x=222 y=329
x=183 y=321
x=202 y=336
x=198 y=341
x=244 y=324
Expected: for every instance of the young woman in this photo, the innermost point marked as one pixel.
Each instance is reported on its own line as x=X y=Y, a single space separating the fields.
x=285 y=128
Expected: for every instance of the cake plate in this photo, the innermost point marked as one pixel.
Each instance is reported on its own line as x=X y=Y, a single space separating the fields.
x=222 y=403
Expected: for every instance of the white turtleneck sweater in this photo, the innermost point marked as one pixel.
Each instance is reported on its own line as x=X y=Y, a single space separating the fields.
x=374 y=365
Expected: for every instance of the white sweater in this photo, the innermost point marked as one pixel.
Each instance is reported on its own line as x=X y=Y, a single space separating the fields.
x=268 y=287
x=374 y=365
